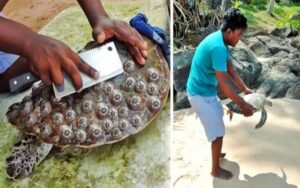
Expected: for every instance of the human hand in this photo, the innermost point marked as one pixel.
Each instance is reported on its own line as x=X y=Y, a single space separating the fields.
x=247 y=109
x=247 y=91
x=107 y=28
x=49 y=57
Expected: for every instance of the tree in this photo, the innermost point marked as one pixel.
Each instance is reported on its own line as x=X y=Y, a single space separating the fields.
x=270 y=7
x=226 y=4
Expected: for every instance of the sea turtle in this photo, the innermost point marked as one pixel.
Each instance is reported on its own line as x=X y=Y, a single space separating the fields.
x=102 y=114
x=258 y=101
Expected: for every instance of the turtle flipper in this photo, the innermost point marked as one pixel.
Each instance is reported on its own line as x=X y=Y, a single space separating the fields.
x=263 y=118
x=26 y=155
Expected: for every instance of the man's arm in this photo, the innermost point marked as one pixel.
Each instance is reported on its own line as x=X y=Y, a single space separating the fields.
x=2 y=4
x=47 y=57
x=223 y=80
x=105 y=28
x=236 y=78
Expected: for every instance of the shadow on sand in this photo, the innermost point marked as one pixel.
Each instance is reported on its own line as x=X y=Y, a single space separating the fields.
x=262 y=180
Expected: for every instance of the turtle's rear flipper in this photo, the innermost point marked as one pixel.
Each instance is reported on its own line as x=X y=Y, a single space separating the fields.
x=263 y=118
x=26 y=155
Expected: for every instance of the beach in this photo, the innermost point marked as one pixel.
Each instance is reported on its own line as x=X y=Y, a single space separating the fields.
x=265 y=157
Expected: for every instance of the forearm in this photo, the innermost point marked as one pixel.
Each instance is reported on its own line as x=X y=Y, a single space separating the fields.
x=237 y=80
x=234 y=75
x=2 y=4
x=224 y=85
x=14 y=37
x=93 y=10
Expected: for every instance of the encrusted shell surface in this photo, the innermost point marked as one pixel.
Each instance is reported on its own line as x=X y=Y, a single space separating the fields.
x=102 y=114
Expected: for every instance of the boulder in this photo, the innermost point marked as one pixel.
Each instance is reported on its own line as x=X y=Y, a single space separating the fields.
x=295 y=16
x=286 y=31
x=296 y=42
x=246 y=64
x=181 y=68
x=181 y=101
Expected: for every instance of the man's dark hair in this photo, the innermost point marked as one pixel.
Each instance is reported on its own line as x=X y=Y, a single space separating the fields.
x=233 y=19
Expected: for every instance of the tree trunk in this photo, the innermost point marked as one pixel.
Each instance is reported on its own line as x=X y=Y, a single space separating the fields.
x=270 y=7
x=226 y=4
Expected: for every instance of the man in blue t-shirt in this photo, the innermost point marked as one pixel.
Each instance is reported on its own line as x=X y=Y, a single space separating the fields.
x=211 y=67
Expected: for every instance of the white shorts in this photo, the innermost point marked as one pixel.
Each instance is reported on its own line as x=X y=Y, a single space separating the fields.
x=6 y=59
x=210 y=112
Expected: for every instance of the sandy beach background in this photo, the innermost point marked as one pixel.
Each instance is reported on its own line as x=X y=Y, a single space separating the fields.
x=259 y=158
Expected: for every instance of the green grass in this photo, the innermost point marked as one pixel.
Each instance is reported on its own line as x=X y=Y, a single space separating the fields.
x=259 y=18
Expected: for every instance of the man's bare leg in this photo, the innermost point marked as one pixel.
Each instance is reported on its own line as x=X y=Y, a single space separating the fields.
x=21 y=66
x=217 y=171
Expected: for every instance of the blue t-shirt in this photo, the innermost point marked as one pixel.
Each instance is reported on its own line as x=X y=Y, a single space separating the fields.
x=211 y=55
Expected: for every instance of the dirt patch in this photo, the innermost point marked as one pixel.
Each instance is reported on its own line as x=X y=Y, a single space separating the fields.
x=35 y=13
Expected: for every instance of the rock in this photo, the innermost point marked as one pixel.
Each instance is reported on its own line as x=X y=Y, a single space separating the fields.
x=246 y=64
x=294 y=91
x=296 y=42
x=254 y=33
x=273 y=45
x=182 y=101
x=181 y=68
x=286 y=31
x=295 y=16
x=258 y=47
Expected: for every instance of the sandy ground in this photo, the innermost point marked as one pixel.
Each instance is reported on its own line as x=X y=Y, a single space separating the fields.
x=37 y=13
x=267 y=157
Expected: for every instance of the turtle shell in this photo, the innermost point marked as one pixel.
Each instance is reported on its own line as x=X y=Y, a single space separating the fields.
x=102 y=114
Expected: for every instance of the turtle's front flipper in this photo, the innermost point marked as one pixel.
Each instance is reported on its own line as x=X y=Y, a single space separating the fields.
x=263 y=118
x=26 y=155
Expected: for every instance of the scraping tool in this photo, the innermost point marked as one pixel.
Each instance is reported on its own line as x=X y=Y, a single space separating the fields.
x=104 y=59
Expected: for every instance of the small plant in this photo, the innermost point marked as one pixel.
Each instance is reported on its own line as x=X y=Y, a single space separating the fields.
x=236 y=3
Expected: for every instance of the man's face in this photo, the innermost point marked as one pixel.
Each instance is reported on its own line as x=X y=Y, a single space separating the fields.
x=234 y=36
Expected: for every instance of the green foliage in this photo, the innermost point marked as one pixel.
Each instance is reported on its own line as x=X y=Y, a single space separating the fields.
x=285 y=13
x=236 y=3
x=257 y=17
